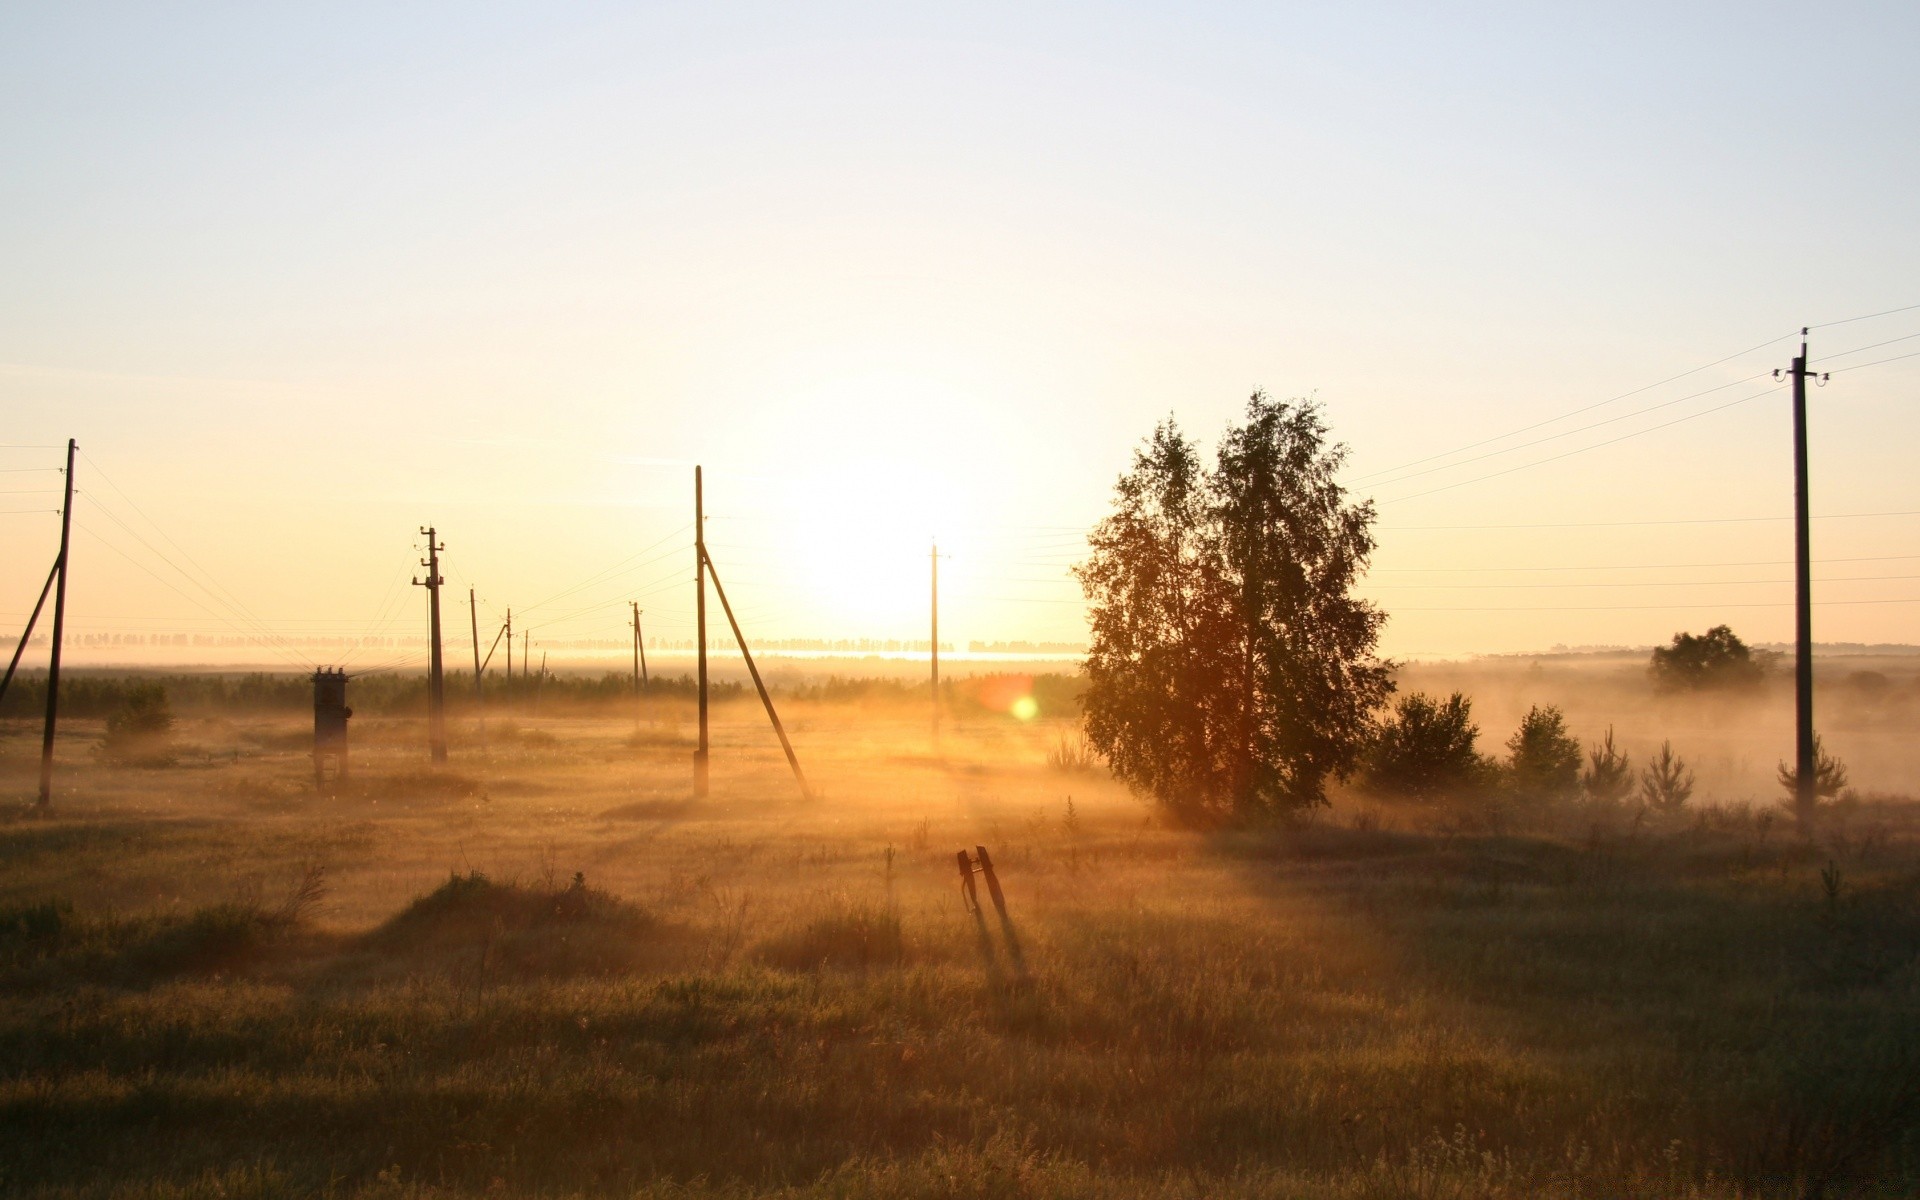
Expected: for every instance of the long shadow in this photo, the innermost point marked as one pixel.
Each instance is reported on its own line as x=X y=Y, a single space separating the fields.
x=1806 y=1074
x=989 y=958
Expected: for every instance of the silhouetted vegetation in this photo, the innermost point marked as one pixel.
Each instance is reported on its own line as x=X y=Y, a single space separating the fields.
x=1543 y=759
x=1829 y=773
x=1714 y=659
x=140 y=729
x=1426 y=750
x=1667 y=782
x=1232 y=670
x=1608 y=777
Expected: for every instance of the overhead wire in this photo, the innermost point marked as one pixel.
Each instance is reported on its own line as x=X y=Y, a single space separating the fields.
x=1586 y=408
x=207 y=583
x=1541 y=462
x=285 y=655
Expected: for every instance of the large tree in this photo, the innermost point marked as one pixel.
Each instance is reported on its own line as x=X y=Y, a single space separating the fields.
x=1232 y=670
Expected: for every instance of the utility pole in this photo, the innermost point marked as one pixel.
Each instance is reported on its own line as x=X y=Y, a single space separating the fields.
x=759 y=685
x=509 y=655
x=640 y=640
x=700 y=630
x=436 y=683
x=934 y=645
x=473 y=612
x=59 y=633
x=1805 y=791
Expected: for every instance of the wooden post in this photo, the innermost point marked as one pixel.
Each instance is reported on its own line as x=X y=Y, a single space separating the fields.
x=28 y=631
x=967 y=891
x=740 y=639
x=993 y=882
x=473 y=613
x=59 y=634
x=700 y=565
x=934 y=645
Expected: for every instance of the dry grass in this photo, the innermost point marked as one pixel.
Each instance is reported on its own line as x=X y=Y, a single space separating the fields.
x=764 y=996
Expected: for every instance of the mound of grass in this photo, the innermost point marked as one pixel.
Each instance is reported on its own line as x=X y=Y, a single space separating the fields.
x=848 y=935
x=518 y=930
x=44 y=944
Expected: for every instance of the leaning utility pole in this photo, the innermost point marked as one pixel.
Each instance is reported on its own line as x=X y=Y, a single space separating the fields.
x=1805 y=785
x=640 y=642
x=436 y=684
x=700 y=630
x=473 y=613
x=934 y=645
x=766 y=699
x=59 y=632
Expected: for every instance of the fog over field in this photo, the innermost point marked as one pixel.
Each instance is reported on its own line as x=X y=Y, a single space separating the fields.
x=1052 y=601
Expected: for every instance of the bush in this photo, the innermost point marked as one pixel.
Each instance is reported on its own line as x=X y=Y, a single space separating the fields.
x=1543 y=758
x=1666 y=783
x=1714 y=659
x=1829 y=774
x=1426 y=749
x=1073 y=754
x=140 y=730
x=1609 y=774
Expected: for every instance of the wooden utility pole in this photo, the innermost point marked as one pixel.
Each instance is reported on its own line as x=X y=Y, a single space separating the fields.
x=26 y=634
x=509 y=654
x=740 y=639
x=436 y=682
x=934 y=645
x=640 y=643
x=59 y=633
x=700 y=630
x=473 y=612
x=1805 y=790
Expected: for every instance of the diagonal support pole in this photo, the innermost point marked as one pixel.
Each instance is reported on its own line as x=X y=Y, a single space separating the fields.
x=28 y=631
x=793 y=760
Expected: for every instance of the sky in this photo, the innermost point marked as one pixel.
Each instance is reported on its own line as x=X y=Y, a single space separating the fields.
x=303 y=279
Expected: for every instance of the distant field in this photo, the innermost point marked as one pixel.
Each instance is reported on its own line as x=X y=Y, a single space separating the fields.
x=544 y=971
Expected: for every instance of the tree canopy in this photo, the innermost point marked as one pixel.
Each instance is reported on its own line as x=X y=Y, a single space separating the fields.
x=1231 y=670
x=1714 y=659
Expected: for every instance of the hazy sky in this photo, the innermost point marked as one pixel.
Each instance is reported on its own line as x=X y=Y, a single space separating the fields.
x=302 y=280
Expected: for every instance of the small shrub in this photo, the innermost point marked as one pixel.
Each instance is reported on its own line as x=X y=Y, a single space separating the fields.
x=1609 y=774
x=1426 y=749
x=1829 y=774
x=1543 y=760
x=1073 y=754
x=1667 y=782
x=140 y=730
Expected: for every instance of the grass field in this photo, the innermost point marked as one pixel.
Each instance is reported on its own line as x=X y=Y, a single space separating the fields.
x=545 y=971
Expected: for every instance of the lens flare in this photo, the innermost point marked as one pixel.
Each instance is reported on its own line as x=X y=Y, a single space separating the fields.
x=1026 y=708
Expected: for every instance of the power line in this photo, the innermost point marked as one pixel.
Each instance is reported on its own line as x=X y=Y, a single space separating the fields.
x=1913 y=512
x=1575 y=412
x=286 y=655
x=1864 y=317
x=1636 y=583
x=1876 y=362
x=1554 y=437
x=1784 y=562
x=1541 y=462
x=241 y=617
x=207 y=583
x=1640 y=607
